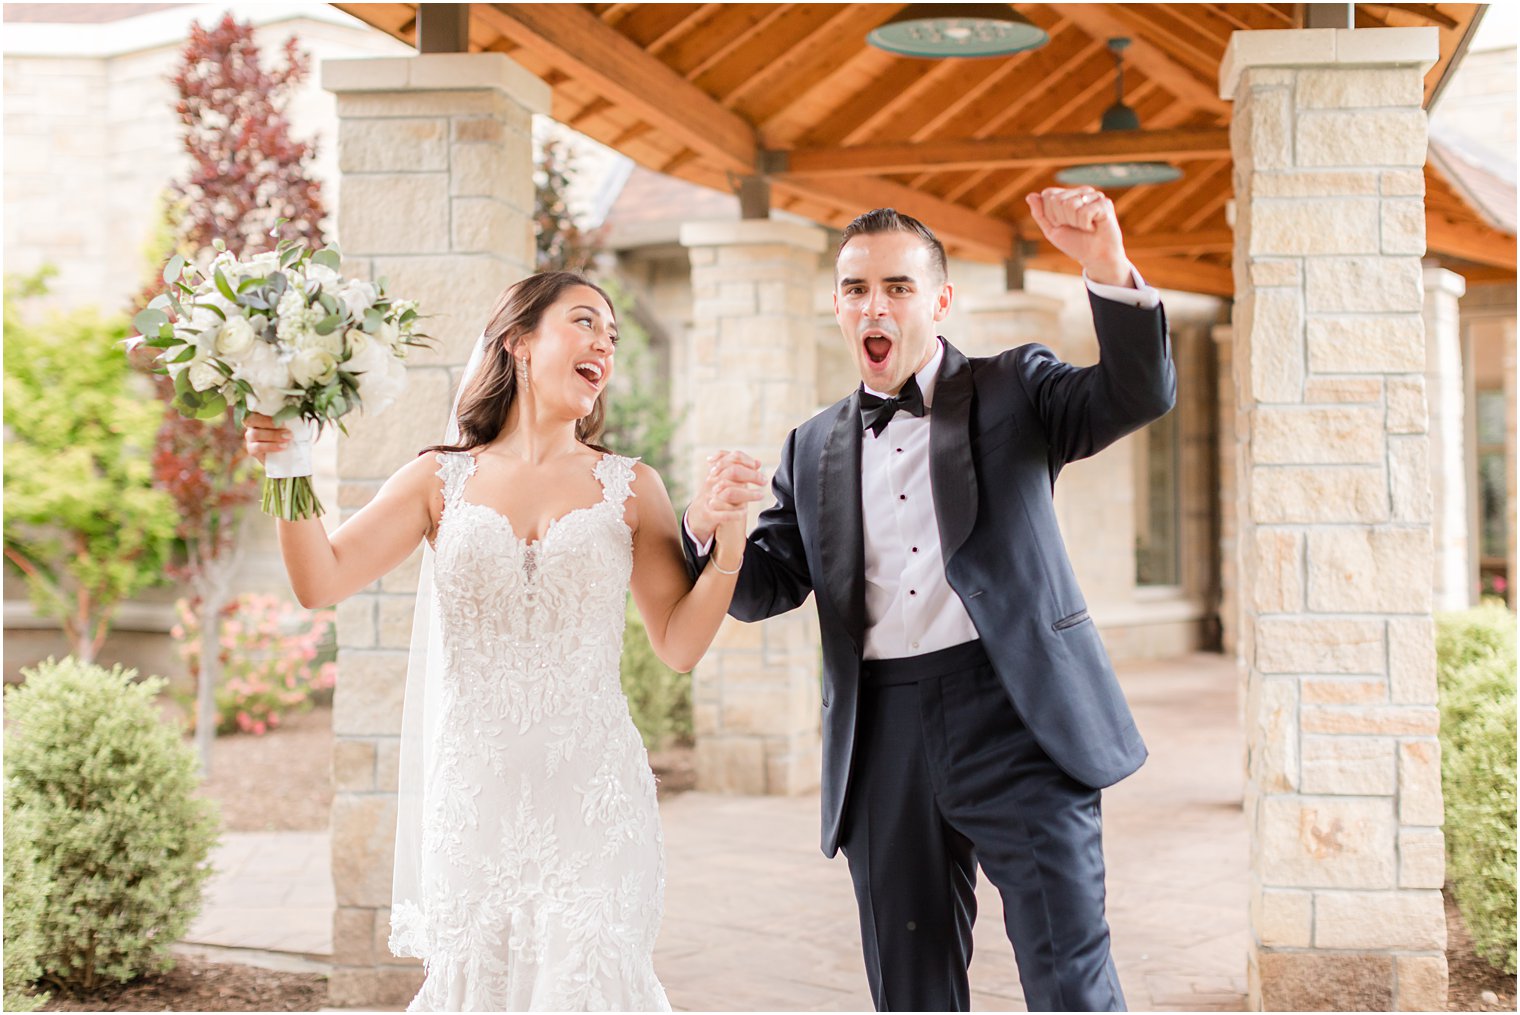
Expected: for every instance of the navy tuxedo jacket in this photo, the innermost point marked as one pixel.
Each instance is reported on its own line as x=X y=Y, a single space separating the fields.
x=1001 y=428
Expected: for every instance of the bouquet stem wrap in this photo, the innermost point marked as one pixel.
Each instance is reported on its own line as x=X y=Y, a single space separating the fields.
x=288 y=492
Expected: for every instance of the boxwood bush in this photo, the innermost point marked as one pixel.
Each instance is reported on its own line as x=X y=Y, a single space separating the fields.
x=102 y=790
x=1475 y=650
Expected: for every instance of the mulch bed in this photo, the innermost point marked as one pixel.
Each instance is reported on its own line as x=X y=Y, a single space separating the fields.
x=196 y=985
x=1468 y=976
x=279 y=782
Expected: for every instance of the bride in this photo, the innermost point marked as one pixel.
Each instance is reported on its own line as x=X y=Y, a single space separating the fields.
x=529 y=866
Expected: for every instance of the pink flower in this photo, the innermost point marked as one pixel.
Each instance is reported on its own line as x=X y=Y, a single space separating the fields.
x=259 y=729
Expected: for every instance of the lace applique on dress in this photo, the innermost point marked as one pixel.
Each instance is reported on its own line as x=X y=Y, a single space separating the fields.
x=542 y=859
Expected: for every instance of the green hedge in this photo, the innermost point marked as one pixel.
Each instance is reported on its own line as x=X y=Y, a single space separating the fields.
x=1476 y=668
x=658 y=696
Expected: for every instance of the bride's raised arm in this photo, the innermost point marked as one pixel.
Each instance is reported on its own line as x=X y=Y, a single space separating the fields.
x=681 y=617
x=323 y=569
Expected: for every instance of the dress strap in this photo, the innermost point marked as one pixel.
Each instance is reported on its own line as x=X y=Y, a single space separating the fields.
x=615 y=473
x=455 y=468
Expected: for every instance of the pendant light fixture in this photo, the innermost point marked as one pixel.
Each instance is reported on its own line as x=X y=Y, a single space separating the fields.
x=1112 y=175
x=936 y=31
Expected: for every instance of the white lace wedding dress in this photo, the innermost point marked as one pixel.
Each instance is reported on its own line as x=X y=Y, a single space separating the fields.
x=542 y=862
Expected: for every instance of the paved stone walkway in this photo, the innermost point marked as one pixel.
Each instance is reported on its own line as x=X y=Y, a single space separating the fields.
x=757 y=919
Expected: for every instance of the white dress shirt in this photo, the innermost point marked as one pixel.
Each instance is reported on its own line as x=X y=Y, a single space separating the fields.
x=910 y=607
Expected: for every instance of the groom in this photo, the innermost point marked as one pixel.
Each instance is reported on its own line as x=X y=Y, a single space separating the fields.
x=971 y=716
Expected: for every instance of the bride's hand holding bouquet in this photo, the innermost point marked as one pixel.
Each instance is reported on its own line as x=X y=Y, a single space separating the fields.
x=280 y=336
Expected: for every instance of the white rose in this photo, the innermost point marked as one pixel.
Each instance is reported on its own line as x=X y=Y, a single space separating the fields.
x=365 y=355
x=379 y=388
x=236 y=337
x=263 y=264
x=358 y=296
x=381 y=376
x=312 y=367
x=268 y=374
x=390 y=334
x=204 y=376
x=330 y=343
x=324 y=276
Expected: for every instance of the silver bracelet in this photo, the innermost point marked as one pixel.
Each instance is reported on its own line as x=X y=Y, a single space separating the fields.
x=718 y=569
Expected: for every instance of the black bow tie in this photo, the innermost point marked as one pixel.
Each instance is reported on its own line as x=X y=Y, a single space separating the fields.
x=876 y=412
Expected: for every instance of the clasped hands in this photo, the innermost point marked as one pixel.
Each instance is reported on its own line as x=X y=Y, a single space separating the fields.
x=720 y=506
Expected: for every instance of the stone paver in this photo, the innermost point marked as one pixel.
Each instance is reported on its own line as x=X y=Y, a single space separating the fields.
x=272 y=891
x=757 y=919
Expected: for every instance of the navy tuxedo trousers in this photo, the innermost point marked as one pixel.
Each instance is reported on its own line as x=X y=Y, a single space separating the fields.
x=946 y=777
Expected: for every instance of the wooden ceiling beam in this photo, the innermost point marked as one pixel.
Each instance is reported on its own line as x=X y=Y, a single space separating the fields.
x=980 y=235
x=1009 y=152
x=1190 y=241
x=1162 y=272
x=1097 y=21
x=1470 y=242
x=1427 y=12
x=577 y=41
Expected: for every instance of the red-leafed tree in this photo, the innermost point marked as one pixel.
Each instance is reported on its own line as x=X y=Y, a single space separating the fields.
x=247 y=173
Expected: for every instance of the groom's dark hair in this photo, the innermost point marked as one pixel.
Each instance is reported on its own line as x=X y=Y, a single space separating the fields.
x=890 y=220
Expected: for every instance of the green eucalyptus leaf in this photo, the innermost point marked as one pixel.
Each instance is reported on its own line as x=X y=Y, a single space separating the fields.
x=174 y=268
x=328 y=257
x=148 y=322
x=327 y=325
x=223 y=287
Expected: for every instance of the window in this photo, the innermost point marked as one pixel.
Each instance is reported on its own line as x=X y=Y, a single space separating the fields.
x=1158 y=507
x=1493 y=490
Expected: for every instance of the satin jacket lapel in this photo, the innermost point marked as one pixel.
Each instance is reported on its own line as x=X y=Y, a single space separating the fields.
x=841 y=539
x=952 y=473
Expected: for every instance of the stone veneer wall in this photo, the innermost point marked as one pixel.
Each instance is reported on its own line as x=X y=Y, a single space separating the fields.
x=437 y=197
x=749 y=370
x=1344 y=796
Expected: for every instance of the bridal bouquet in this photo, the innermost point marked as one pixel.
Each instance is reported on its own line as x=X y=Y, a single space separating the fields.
x=280 y=333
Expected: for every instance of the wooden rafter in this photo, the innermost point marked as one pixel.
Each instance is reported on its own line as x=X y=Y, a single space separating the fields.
x=1097 y=21
x=575 y=39
x=985 y=236
x=1011 y=152
x=1469 y=242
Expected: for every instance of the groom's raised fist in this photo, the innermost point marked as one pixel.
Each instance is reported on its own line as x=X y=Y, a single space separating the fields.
x=1080 y=223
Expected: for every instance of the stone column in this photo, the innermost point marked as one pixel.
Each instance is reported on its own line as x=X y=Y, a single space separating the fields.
x=1343 y=794
x=750 y=365
x=1445 y=394
x=436 y=196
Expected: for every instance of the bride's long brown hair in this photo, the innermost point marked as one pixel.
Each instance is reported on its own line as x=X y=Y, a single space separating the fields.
x=484 y=404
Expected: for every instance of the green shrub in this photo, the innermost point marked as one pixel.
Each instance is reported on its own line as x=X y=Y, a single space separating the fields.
x=105 y=789
x=658 y=696
x=23 y=899
x=1476 y=670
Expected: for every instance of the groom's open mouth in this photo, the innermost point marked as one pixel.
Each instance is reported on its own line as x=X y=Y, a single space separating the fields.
x=878 y=347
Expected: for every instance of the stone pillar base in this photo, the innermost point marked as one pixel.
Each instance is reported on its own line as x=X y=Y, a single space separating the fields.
x=1348 y=981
